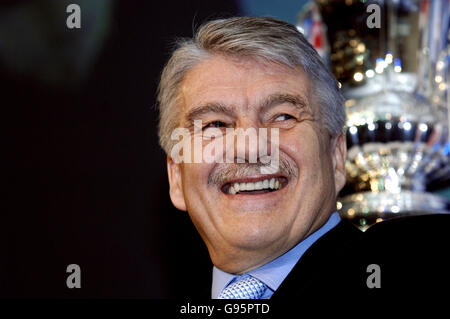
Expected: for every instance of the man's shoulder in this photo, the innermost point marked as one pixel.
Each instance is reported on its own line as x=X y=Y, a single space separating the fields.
x=416 y=226
x=410 y=242
x=408 y=254
x=330 y=264
x=412 y=252
x=416 y=235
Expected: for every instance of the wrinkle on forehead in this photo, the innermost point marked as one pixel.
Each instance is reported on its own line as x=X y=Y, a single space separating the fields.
x=240 y=81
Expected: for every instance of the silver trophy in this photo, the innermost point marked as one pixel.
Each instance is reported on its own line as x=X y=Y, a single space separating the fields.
x=395 y=80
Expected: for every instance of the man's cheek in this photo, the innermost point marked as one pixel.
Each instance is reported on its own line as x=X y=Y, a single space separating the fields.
x=194 y=174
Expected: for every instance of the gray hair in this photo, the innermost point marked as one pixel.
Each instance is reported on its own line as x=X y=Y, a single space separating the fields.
x=263 y=39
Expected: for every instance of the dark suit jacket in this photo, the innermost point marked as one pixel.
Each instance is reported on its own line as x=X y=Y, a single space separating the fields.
x=411 y=252
x=412 y=255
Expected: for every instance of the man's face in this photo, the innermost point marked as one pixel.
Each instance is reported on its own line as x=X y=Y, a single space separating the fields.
x=250 y=228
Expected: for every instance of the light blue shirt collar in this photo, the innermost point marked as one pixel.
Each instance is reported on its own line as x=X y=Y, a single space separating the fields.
x=273 y=273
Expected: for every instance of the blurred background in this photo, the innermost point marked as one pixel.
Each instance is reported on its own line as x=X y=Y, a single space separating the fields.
x=85 y=178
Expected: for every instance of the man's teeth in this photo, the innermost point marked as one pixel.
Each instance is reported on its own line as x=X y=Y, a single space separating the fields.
x=260 y=185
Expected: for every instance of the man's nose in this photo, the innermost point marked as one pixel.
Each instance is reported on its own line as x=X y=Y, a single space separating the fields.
x=251 y=141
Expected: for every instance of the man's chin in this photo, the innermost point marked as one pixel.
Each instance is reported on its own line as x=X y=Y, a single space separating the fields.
x=260 y=237
x=247 y=254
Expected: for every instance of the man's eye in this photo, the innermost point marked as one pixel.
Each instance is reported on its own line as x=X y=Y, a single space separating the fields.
x=215 y=124
x=283 y=117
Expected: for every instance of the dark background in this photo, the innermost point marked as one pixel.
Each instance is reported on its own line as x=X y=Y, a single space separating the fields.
x=85 y=177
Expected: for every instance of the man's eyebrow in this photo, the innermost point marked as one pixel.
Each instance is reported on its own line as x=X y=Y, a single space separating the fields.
x=198 y=111
x=280 y=98
x=272 y=100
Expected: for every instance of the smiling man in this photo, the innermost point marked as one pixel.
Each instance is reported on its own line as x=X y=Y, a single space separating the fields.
x=244 y=73
x=271 y=232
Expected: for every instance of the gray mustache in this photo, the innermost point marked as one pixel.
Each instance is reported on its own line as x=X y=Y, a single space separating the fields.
x=225 y=172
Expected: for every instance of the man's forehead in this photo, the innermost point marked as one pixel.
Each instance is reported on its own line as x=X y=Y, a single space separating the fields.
x=240 y=82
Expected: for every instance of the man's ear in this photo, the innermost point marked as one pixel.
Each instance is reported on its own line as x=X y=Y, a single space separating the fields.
x=339 y=149
x=176 y=186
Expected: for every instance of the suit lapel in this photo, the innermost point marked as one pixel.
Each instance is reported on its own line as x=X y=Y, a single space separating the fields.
x=327 y=267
